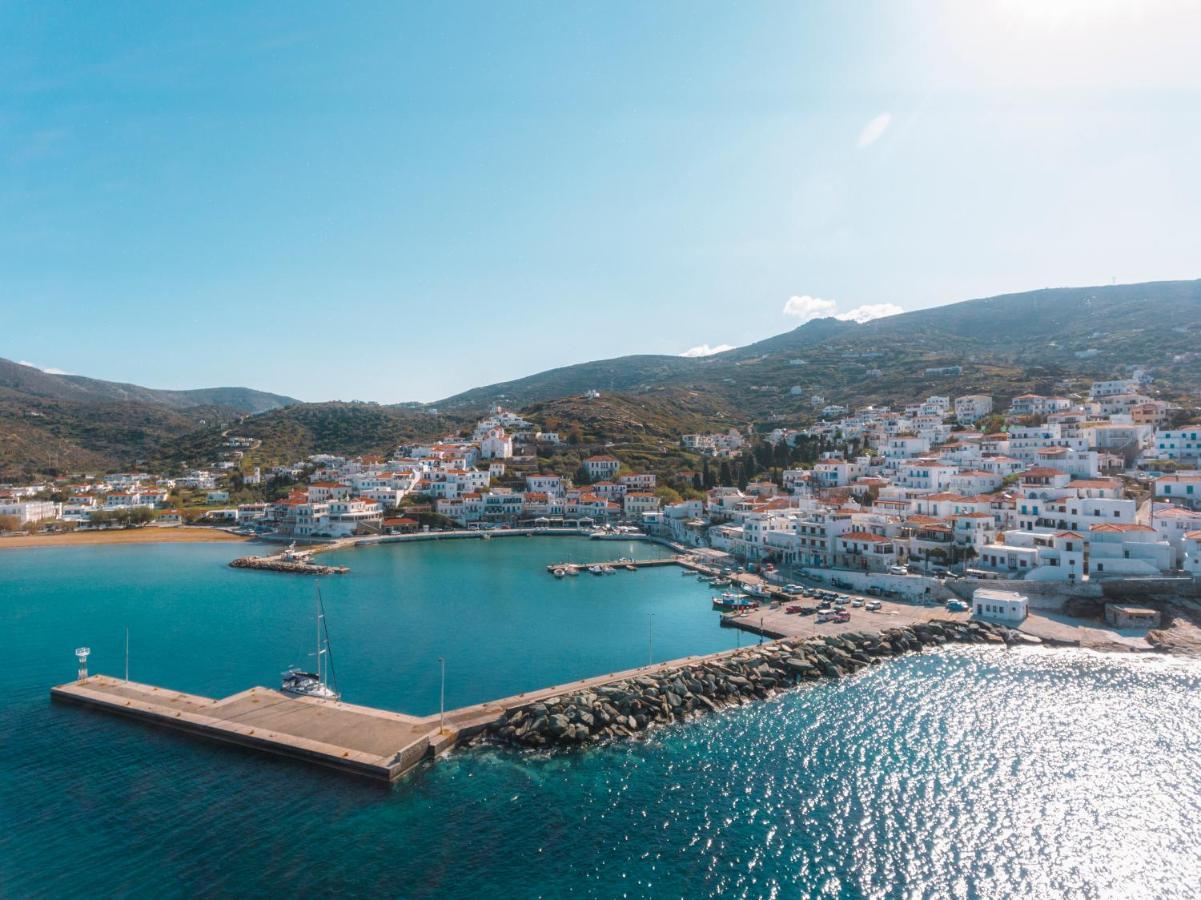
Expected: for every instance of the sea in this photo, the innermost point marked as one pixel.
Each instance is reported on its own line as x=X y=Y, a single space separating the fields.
x=963 y=772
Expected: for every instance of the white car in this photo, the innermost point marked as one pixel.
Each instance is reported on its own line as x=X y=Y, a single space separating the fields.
x=897 y=570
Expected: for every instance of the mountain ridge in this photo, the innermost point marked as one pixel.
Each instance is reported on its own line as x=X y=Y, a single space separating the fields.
x=1049 y=340
x=997 y=329
x=31 y=380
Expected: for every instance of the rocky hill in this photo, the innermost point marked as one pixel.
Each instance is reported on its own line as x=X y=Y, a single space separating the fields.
x=66 y=423
x=1052 y=340
x=1005 y=345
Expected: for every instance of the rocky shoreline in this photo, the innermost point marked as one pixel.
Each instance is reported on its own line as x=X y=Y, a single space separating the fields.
x=624 y=708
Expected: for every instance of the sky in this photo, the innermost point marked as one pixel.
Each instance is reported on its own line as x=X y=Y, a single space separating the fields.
x=400 y=201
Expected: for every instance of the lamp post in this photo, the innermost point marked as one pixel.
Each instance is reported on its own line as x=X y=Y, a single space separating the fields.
x=442 y=697
x=650 y=651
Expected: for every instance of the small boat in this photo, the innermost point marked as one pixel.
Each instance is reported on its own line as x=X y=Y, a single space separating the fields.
x=687 y=572
x=756 y=590
x=631 y=567
x=320 y=684
x=608 y=570
x=559 y=573
x=572 y=570
x=291 y=554
x=596 y=570
x=731 y=601
x=720 y=582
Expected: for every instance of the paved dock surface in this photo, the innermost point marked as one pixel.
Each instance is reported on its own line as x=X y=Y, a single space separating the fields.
x=355 y=738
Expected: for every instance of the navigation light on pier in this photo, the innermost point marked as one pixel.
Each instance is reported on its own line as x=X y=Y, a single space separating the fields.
x=82 y=654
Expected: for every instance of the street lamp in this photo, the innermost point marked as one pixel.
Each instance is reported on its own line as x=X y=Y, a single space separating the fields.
x=442 y=697
x=650 y=655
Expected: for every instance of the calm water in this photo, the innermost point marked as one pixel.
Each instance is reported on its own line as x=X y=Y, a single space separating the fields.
x=968 y=773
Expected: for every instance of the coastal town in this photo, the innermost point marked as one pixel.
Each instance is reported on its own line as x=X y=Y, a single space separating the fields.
x=1070 y=489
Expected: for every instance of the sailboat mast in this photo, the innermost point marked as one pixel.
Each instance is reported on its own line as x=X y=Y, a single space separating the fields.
x=319 y=632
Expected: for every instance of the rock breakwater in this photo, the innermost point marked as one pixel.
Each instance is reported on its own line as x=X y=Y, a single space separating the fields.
x=276 y=564
x=626 y=707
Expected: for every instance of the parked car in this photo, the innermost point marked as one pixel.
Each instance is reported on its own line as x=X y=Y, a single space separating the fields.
x=956 y=606
x=825 y=615
x=873 y=606
x=857 y=601
x=842 y=616
x=897 y=570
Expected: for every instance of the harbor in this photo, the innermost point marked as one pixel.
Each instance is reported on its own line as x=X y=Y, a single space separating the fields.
x=385 y=745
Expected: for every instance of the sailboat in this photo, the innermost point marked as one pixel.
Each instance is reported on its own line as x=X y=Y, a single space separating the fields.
x=321 y=684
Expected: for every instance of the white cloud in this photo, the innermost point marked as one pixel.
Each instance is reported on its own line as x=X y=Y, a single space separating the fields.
x=805 y=307
x=48 y=370
x=706 y=350
x=870 y=311
x=874 y=129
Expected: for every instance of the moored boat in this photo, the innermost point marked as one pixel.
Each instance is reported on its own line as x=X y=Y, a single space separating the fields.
x=321 y=684
x=731 y=601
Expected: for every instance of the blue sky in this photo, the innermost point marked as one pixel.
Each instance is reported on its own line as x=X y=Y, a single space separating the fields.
x=400 y=201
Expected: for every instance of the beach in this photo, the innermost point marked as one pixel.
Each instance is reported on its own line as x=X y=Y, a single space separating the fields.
x=148 y=535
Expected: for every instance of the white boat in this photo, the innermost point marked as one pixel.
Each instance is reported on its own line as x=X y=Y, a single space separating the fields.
x=320 y=684
x=572 y=570
x=756 y=590
x=291 y=554
x=596 y=570
x=608 y=570
x=559 y=573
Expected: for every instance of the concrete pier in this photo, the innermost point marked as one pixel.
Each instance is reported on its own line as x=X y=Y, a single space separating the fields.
x=616 y=564
x=355 y=739
x=358 y=739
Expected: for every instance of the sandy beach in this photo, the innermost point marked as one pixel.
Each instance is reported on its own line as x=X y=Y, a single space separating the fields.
x=149 y=535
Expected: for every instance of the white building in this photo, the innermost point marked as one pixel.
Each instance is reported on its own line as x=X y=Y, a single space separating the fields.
x=973 y=407
x=496 y=444
x=1180 y=444
x=26 y=511
x=1184 y=489
x=601 y=468
x=999 y=606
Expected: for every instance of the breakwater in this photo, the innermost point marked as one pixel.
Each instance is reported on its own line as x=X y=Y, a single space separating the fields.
x=622 y=708
x=278 y=564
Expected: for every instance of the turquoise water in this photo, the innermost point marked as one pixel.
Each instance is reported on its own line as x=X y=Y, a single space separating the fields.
x=968 y=773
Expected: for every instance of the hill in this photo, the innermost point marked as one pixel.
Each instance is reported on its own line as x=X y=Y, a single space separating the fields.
x=53 y=424
x=1038 y=340
x=1052 y=340
x=294 y=432
x=34 y=383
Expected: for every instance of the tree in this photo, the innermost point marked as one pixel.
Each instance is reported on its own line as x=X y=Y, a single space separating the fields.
x=668 y=495
x=707 y=479
x=9 y=523
x=724 y=477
